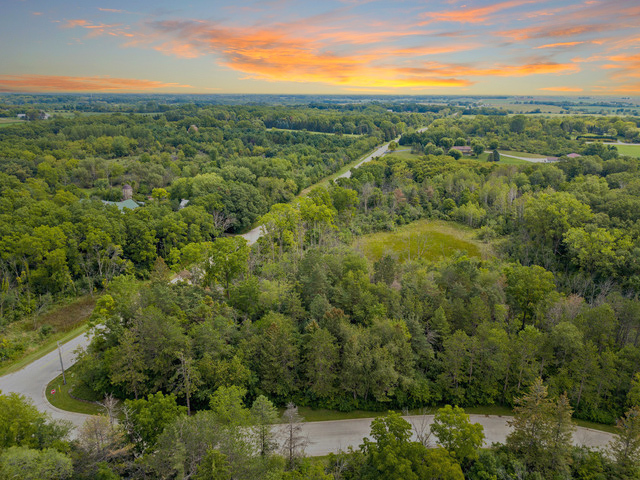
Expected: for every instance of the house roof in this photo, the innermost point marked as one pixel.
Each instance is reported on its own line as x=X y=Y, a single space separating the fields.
x=574 y=155
x=130 y=204
x=461 y=148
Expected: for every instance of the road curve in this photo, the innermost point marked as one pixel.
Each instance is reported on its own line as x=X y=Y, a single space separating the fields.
x=33 y=379
x=333 y=436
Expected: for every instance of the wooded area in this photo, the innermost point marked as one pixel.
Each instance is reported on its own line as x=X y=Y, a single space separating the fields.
x=550 y=321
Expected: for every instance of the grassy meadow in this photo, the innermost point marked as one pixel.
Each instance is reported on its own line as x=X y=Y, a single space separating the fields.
x=629 y=150
x=425 y=239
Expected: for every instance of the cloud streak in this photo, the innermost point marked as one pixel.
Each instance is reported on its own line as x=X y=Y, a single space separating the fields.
x=54 y=83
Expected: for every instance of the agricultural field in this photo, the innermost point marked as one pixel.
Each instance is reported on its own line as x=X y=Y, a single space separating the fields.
x=4 y=122
x=425 y=239
x=629 y=150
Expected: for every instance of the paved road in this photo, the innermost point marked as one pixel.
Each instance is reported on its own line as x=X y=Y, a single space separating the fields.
x=376 y=153
x=528 y=159
x=328 y=437
x=33 y=379
x=252 y=236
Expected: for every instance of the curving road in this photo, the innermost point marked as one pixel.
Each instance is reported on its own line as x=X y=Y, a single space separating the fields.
x=332 y=436
x=33 y=379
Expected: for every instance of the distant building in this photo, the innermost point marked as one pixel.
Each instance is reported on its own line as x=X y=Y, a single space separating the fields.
x=130 y=204
x=127 y=192
x=22 y=116
x=463 y=149
x=552 y=159
x=193 y=129
x=574 y=155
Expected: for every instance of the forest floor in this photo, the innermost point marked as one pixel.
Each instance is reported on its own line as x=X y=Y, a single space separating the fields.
x=39 y=335
x=426 y=239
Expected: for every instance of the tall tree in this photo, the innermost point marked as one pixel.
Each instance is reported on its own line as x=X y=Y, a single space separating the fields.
x=457 y=434
x=625 y=447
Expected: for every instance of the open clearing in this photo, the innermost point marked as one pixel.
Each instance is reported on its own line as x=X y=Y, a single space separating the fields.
x=629 y=150
x=426 y=239
x=4 y=122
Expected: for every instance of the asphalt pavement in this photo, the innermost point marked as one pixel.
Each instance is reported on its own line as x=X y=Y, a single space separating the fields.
x=33 y=379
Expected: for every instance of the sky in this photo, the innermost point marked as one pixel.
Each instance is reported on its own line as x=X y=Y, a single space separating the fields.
x=451 y=47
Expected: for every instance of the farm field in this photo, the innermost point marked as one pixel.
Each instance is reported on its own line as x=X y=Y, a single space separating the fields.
x=629 y=150
x=4 y=122
x=426 y=239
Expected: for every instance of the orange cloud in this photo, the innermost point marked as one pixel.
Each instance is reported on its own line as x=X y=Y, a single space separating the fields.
x=562 y=89
x=53 y=83
x=111 y=10
x=36 y=13
x=473 y=15
x=520 y=34
x=561 y=44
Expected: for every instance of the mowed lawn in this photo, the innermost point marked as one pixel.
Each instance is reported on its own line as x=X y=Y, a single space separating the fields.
x=427 y=239
x=629 y=150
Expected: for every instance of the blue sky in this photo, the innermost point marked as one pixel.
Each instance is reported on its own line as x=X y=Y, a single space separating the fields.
x=519 y=47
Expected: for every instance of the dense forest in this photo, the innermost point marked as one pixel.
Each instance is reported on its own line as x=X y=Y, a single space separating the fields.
x=547 y=323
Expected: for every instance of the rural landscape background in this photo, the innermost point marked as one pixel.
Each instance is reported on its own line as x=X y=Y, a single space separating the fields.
x=300 y=241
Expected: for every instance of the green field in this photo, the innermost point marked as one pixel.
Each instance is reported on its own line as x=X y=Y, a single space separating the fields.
x=427 y=239
x=629 y=150
x=4 y=122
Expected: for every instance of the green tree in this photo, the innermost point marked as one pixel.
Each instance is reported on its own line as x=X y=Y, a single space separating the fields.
x=145 y=419
x=21 y=424
x=625 y=447
x=214 y=466
x=28 y=464
x=264 y=415
x=542 y=430
x=527 y=290
x=457 y=434
x=228 y=257
x=321 y=362
x=387 y=455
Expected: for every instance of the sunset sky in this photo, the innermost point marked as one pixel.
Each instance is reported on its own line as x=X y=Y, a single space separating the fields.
x=466 y=47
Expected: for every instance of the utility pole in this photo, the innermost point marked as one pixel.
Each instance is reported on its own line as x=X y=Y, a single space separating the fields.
x=64 y=380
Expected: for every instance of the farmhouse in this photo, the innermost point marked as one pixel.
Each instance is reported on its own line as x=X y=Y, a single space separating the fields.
x=574 y=155
x=464 y=149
